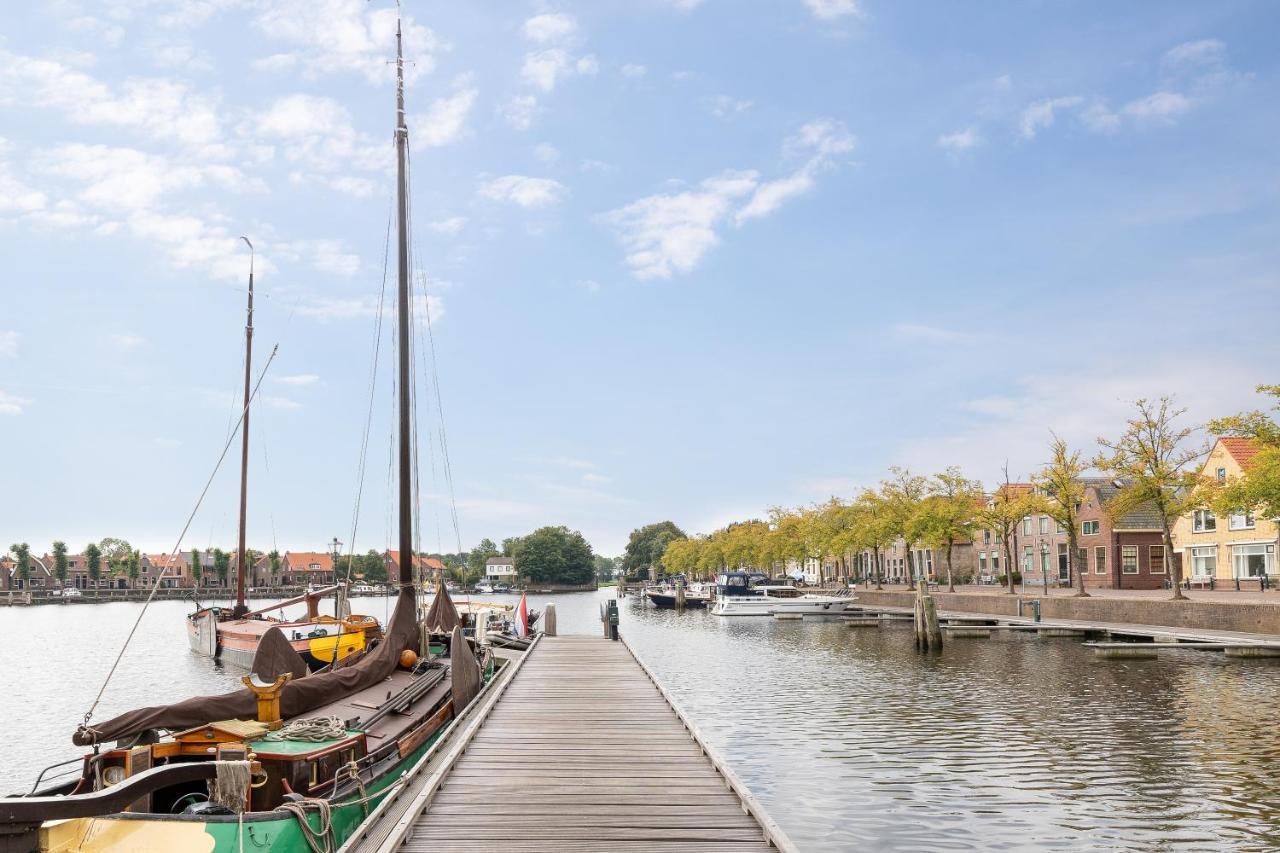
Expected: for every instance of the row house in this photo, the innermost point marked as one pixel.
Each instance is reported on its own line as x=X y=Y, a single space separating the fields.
x=1120 y=551
x=39 y=575
x=1238 y=549
x=426 y=567
x=300 y=568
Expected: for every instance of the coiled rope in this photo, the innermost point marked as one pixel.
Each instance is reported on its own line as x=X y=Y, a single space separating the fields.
x=311 y=729
x=320 y=840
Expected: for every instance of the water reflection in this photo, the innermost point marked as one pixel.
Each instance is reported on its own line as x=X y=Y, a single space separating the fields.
x=851 y=739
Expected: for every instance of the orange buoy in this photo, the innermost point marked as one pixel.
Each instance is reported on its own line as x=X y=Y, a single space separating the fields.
x=408 y=658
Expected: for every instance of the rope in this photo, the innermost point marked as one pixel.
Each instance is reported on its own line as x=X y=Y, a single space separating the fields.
x=353 y=770
x=312 y=729
x=228 y=787
x=190 y=518
x=321 y=840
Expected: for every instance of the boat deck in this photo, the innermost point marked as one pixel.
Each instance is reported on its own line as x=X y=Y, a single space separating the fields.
x=582 y=751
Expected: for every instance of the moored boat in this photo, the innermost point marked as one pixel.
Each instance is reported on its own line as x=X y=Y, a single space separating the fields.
x=735 y=596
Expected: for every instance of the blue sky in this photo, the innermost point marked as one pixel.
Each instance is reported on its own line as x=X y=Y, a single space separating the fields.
x=686 y=258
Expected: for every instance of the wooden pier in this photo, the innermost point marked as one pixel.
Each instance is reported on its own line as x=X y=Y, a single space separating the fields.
x=580 y=749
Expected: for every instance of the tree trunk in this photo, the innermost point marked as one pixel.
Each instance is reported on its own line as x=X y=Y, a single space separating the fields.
x=1073 y=550
x=911 y=569
x=876 y=559
x=1174 y=572
x=951 y=583
x=1008 y=561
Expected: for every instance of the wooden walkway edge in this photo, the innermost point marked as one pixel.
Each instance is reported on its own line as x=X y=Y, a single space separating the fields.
x=581 y=750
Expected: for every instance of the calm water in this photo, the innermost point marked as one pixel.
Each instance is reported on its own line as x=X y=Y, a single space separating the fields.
x=851 y=739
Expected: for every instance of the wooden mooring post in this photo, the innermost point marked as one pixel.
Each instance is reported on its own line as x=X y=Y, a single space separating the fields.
x=928 y=634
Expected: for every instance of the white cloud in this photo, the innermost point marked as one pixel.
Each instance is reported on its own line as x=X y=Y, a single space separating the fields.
x=594 y=479
x=587 y=65
x=519 y=111
x=668 y=233
x=190 y=242
x=769 y=196
x=1194 y=55
x=283 y=404
x=1040 y=115
x=523 y=190
x=723 y=106
x=9 y=343
x=444 y=121
x=317 y=132
x=126 y=341
x=451 y=226
x=329 y=308
x=11 y=404
x=351 y=185
x=830 y=10
x=1158 y=108
x=298 y=380
x=109 y=34
x=931 y=335
x=1098 y=118
x=15 y=195
x=960 y=141
x=544 y=68
x=347 y=36
x=594 y=166
x=632 y=70
x=550 y=27
x=546 y=152
x=329 y=256
x=820 y=141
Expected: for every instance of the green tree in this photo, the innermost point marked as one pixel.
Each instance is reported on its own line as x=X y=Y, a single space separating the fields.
x=1004 y=510
x=22 y=554
x=1258 y=490
x=1152 y=458
x=93 y=562
x=116 y=552
x=902 y=497
x=478 y=559
x=947 y=515
x=221 y=565
x=374 y=567
x=60 y=562
x=273 y=560
x=606 y=567
x=1063 y=493
x=133 y=566
x=197 y=567
x=646 y=544
x=555 y=555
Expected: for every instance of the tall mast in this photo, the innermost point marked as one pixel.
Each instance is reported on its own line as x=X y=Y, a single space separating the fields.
x=406 y=435
x=240 y=608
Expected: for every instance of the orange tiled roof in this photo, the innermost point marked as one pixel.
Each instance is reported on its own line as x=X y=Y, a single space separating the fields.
x=1241 y=449
x=301 y=560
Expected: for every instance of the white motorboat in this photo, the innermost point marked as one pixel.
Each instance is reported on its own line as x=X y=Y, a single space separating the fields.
x=484 y=588
x=736 y=598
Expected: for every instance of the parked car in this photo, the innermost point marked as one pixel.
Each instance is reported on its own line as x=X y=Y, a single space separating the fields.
x=71 y=592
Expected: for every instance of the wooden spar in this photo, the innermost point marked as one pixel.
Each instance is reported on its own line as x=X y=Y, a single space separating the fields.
x=402 y=293
x=240 y=608
x=319 y=593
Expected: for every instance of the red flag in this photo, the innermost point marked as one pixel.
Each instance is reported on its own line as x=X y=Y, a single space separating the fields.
x=520 y=621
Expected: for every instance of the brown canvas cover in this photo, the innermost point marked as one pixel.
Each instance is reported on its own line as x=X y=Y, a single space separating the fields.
x=298 y=696
x=442 y=616
x=276 y=656
x=464 y=670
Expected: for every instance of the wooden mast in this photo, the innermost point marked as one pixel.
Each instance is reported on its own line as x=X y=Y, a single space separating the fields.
x=240 y=608
x=405 y=377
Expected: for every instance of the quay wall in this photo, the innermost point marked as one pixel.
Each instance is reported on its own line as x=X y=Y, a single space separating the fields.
x=1250 y=617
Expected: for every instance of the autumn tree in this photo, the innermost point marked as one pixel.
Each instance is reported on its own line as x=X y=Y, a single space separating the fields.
x=946 y=516
x=1258 y=490
x=1153 y=460
x=1007 y=506
x=902 y=496
x=1062 y=493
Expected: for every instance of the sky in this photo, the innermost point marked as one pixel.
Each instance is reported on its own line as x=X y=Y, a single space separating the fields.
x=683 y=259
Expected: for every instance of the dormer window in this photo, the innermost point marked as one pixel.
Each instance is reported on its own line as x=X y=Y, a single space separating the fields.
x=1222 y=475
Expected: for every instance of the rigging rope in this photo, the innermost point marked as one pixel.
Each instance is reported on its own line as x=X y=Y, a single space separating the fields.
x=190 y=518
x=310 y=730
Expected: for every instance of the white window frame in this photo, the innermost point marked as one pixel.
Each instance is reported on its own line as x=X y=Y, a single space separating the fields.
x=1246 y=521
x=1268 y=551
x=1099 y=565
x=1201 y=554
x=1044 y=525
x=1085 y=531
x=1201 y=520
x=1026 y=526
x=1221 y=474
x=1124 y=554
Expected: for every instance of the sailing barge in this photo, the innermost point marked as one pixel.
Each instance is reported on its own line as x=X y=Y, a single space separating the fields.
x=295 y=760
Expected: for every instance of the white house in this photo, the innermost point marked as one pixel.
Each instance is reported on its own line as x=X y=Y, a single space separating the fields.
x=500 y=570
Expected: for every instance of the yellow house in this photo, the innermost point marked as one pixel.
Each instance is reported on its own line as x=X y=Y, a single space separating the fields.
x=1240 y=547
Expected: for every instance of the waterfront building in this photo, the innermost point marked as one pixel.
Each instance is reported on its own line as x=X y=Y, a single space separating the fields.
x=1042 y=557
x=40 y=575
x=1239 y=549
x=500 y=570
x=426 y=566
x=300 y=568
x=1121 y=552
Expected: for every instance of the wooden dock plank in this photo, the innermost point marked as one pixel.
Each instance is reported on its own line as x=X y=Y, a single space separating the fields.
x=585 y=752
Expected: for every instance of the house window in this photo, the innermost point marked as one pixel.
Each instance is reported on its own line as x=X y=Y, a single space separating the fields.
x=1222 y=475
x=1240 y=521
x=1026 y=526
x=1061 y=528
x=1026 y=560
x=1088 y=528
x=1156 y=559
x=1044 y=558
x=1253 y=561
x=1044 y=525
x=986 y=537
x=995 y=562
x=1129 y=559
x=1203 y=521
x=982 y=564
x=1204 y=561
x=1100 y=560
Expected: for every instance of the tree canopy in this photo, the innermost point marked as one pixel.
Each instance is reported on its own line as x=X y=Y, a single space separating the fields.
x=554 y=555
x=1259 y=489
x=647 y=544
